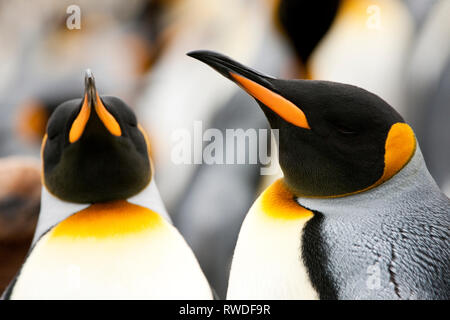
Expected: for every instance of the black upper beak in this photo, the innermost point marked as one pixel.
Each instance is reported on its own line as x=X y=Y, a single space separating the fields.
x=89 y=87
x=92 y=104
x=226 y=66
x=260 y=86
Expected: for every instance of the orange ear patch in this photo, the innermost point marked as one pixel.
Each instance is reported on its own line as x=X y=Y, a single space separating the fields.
x=108 y=120
x=399 y=148
x=280 y=105
x=78 y=125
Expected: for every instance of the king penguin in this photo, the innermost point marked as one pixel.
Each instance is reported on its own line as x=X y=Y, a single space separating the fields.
x=103 y=231
x=356 y=215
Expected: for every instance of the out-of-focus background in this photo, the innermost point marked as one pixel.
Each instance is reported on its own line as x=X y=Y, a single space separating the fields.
x=398 y=49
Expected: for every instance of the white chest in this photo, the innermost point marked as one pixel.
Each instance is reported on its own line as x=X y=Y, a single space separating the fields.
x=153 y=263
x=267 y=262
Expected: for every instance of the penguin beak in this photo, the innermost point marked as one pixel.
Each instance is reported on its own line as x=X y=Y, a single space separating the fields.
x=258 y=85
x=92 y=101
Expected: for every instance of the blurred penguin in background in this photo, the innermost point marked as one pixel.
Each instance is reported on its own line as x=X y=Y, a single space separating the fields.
x=428 y=86
x=172 y=102
x=120 y=40
x=366 y=46
x=209 y=200
x=304 y=23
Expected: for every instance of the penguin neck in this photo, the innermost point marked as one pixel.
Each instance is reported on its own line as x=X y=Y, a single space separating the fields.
x=412 y=183
x=54 y=210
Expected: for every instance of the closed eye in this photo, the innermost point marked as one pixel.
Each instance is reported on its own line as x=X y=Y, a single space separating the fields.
x=344 y=129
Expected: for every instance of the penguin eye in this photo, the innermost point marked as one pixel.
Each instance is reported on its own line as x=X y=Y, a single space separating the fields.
x=343 y=129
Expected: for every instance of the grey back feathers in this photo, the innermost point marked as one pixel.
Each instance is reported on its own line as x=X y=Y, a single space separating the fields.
x=391 y=242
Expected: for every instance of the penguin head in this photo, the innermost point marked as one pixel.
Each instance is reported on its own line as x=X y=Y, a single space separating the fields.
x=94 y=150
x=334 y=139
x=306 y=22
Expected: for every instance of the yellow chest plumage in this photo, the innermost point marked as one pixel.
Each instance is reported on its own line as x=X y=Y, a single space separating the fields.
x=108 y=220
x=115 y=250
x=267 y=261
